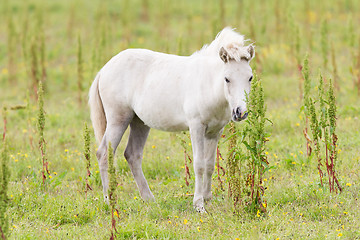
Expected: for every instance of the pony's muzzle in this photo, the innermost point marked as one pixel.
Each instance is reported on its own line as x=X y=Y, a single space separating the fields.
x=238 y=115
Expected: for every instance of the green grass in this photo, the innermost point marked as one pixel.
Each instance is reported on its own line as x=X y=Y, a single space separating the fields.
x=298 y=207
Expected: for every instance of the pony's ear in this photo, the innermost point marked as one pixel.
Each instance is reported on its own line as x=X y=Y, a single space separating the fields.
x=251 y=51
x=224 y=55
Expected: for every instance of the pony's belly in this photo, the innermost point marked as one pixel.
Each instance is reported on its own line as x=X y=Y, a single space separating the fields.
x=164 y=123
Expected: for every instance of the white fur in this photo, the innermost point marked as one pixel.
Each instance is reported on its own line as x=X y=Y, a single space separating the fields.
x=146 y=89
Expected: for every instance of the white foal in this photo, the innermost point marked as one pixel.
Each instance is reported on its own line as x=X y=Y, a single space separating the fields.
x=146 y=89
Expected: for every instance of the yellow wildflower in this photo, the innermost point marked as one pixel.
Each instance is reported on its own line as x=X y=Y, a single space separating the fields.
x=4 y=71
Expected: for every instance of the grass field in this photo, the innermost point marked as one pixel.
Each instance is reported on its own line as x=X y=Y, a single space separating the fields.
x=283 y=32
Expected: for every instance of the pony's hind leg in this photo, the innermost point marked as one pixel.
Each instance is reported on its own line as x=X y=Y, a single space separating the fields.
x=134 y=153
x=114 y=131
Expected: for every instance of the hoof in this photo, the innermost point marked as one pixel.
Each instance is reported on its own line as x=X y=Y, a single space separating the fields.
x=199 y=204
x=200 y=209
x=148 y=197
x=106 y=199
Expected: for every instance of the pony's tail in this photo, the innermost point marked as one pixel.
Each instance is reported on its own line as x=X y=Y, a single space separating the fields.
x=97 y=113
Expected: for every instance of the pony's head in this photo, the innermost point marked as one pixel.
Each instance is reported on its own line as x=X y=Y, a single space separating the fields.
x=237 y=76
x=237 y=73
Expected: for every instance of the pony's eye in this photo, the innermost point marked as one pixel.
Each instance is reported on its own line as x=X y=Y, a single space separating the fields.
x=227 y=80
x=250 y=78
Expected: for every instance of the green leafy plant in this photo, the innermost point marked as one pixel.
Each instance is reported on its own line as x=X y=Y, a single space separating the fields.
x=331 y=144
x=234 y=166
x=247 y=167
x=41 y=127
x=306 y=102
x=323 y=130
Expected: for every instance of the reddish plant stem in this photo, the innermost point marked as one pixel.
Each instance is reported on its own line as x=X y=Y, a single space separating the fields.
x=187 y=172
x=218 y=157
x=113 y=221
x=45 y=163
x=2 y=234
x=328 y=166
x=87 y=187
x=5 y=122
x=320 y=171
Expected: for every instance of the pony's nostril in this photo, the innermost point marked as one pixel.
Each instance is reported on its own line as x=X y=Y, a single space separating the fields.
x=238 y=112
x=238 y=115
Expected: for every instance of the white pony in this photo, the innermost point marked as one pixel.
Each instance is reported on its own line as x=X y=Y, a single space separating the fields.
x=146 y=89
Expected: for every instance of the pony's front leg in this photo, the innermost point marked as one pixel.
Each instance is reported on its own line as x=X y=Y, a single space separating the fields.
x=210 y=145
x=197 y=134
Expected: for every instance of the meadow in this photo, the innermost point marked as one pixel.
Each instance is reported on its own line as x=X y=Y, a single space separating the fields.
x=40 y=40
